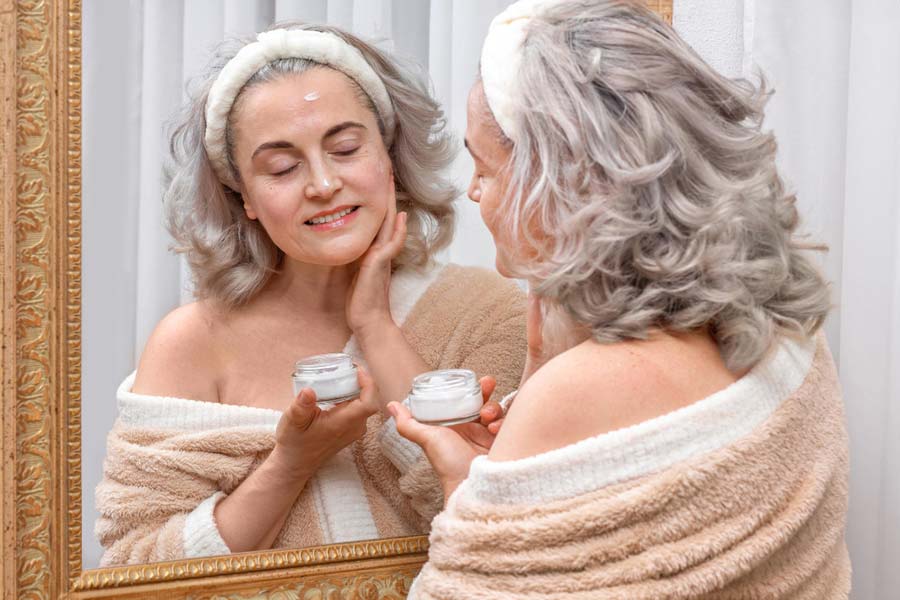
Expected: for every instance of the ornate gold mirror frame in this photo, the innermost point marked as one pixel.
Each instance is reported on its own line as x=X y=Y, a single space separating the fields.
x=40 y=241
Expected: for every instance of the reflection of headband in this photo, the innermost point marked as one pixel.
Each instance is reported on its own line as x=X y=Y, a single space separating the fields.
x=317 y=46
x=501 y=56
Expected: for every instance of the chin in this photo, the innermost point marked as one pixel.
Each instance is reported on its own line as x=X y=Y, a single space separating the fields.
x=501 y=265
x=339 y=252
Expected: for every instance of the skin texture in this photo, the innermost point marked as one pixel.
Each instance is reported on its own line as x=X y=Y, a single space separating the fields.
x=584 y=391
x=298 y=158
x=490 y=154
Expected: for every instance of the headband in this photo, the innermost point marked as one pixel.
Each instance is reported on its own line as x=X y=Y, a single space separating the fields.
x=317 y=46
x=501 y=57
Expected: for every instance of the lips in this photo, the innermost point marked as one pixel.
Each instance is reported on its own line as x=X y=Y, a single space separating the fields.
x=331 y=215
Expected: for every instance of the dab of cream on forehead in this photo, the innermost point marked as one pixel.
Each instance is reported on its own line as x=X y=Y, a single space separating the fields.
x=310 y=97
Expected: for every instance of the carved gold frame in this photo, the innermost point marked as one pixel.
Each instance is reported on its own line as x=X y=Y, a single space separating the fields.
x=40 y=242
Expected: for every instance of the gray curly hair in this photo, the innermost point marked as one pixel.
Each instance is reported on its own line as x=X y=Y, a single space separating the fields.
x=660 y=188
x=232 y=257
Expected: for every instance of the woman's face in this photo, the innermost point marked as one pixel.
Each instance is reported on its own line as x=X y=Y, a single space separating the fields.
x=314 y=170
x=489 y=181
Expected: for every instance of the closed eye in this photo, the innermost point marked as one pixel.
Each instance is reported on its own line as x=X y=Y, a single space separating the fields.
x=286 y=171
x=346 y=152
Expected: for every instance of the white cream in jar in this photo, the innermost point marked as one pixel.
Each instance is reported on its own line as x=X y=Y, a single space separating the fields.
x=446 y=397
x=333 y=377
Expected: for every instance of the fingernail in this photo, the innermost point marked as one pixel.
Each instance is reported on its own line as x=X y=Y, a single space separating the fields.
x=392 y=408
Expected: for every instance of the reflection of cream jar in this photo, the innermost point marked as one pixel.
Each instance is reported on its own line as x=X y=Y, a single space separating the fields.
x=331 y=376
x=445 y=397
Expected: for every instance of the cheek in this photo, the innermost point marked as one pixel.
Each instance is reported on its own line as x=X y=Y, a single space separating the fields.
x=370 y=175
x=491 y=209
x=272 y=203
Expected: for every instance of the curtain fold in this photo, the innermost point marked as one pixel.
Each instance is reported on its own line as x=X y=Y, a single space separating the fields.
x=870 y=298
x=835 y=68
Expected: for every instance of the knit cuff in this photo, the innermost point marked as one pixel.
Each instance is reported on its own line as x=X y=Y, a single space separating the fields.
x=402 y=453
x=201 y=535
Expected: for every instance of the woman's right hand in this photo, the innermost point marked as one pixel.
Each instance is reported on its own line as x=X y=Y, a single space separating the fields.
x=307 y=436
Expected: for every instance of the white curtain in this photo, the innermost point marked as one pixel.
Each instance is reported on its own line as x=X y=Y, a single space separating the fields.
x=834 y=66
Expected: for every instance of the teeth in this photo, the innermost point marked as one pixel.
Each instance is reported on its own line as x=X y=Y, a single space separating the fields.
x=331 y=217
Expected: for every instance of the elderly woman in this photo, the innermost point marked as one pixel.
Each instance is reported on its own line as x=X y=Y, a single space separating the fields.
x=690 y=442
x=305 y=192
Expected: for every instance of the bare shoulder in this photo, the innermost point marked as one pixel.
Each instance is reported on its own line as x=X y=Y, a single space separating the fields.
x=594 y=388
x=179 y=359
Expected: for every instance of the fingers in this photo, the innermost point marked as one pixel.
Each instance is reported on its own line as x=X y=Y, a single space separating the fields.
x=387 y=228
x=490 y=412
x=494 y=427
x=395 y=245
x=303 y=410
x=407 y=426
x=488 y=385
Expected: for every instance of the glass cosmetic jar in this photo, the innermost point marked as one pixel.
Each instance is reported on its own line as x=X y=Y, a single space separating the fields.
x=331 y=376
x=446 y=397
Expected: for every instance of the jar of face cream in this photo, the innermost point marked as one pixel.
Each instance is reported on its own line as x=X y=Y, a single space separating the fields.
x=331 y=376
x=446 y=397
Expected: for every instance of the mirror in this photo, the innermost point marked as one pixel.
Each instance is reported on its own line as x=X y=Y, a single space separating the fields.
x=137 y=66
x=93 y=276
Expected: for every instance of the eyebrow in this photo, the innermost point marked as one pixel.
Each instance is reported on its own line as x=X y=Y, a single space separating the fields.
x=472 y=152
x=331 y=132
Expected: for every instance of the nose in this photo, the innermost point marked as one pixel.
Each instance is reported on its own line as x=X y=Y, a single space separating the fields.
x=323 y=183
x=474 y=191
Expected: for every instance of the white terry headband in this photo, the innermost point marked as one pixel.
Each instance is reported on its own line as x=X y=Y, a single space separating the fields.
x=317 y=46
x=501 y=57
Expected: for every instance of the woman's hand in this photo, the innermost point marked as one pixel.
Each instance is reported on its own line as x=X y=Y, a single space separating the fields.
x=252 y=515
x=368 y=304
x=450 y=450
x=307 y=436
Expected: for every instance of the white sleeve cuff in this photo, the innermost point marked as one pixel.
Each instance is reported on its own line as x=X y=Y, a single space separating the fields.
x=201 y=536
x=402 y=453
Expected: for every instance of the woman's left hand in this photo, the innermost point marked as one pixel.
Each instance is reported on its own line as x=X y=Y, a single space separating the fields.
x=368 y=302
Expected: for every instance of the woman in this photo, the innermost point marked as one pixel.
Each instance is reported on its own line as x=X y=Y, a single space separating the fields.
x=691 y=442
x=305 y=193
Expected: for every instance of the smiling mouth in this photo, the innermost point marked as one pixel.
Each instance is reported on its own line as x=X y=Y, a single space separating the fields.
x=331 y=217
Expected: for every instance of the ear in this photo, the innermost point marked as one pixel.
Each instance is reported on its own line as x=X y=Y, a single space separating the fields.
x=248 y=209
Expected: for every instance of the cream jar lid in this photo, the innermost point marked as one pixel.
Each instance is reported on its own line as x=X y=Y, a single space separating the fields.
x=447 y=384
x=325 y=367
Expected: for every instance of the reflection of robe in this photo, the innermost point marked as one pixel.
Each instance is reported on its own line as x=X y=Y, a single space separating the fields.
x=170 y=460
x=740 y=495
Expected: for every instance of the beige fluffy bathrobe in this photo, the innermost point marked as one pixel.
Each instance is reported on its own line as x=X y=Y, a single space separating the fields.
x=742 y=495
x=170 y=460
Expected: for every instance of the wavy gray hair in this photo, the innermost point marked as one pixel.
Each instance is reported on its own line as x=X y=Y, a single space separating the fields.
x=230 y=256
x=659 y=186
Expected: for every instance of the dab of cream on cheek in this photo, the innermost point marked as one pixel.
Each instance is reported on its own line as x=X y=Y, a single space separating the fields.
x=333 y=377
x=445 y=397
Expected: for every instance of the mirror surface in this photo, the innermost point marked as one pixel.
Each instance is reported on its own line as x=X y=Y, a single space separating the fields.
x=138 y=57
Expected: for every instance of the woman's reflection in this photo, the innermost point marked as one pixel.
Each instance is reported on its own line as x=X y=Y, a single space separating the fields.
x=305 y=191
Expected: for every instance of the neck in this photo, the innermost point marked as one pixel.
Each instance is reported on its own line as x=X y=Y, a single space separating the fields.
x=312 y=288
